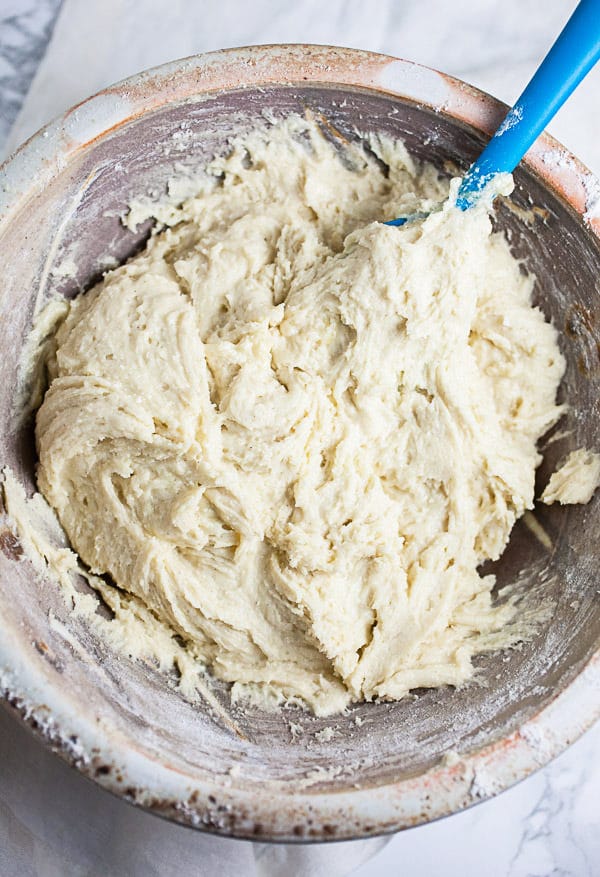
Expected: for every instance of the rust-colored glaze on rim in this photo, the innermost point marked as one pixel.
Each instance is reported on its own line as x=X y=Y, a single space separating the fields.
x=49 y=149
x=107 y=758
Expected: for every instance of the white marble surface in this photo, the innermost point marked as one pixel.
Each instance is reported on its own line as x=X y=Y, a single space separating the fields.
x=550 y=823
x=25 y=28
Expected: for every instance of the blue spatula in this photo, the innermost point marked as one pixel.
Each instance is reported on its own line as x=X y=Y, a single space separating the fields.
x=571 y=57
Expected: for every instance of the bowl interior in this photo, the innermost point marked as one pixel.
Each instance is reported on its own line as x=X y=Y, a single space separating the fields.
x=76 y=220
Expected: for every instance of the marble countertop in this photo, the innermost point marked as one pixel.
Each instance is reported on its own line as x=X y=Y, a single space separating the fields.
x=550 y=823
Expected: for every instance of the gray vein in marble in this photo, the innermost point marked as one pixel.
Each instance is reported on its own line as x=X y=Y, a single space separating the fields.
x=25 y=31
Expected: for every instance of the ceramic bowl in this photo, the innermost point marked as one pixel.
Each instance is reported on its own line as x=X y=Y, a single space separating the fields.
x=254 y=775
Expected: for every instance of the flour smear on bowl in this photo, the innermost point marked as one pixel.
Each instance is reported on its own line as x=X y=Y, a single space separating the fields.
x=291 y=434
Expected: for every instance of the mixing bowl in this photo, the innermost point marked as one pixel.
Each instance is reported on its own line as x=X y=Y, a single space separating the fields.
x=255 y=774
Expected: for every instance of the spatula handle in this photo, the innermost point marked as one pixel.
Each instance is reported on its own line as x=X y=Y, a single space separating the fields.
x=571 y=57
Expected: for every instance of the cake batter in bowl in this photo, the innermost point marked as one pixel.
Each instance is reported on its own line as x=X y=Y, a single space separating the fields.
x=242 y=770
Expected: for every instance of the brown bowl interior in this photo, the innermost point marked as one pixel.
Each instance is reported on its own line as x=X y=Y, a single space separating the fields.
x=78 y=213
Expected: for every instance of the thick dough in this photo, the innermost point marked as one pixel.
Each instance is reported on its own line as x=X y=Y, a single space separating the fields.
x=295 y=432
x=575 y=481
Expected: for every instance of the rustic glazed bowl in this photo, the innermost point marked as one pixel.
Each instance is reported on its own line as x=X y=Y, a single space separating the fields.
x=388 y=766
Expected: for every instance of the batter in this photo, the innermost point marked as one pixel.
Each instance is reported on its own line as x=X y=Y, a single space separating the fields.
x=295 y=433
x=575 y=481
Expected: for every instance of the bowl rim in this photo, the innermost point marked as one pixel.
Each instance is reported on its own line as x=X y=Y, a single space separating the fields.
x=447 y=787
